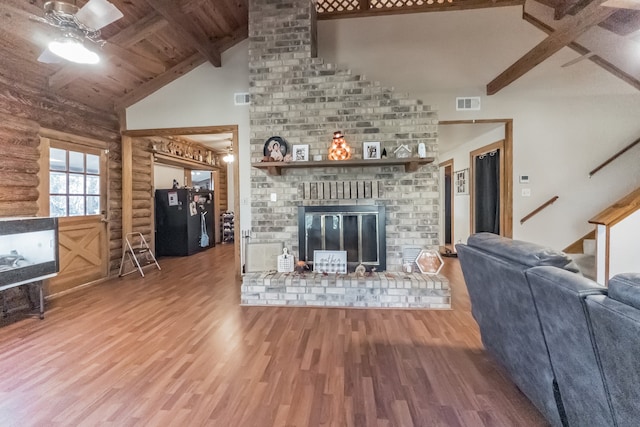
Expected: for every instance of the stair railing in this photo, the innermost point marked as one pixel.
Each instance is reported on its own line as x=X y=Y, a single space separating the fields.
x=605 y=241
x=538 y=209
x=615 y=156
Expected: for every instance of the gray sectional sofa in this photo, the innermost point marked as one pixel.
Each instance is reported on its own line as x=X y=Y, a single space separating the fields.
x=570 y=345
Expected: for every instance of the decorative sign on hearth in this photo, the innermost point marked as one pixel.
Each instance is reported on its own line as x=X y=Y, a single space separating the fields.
x=330 y=261
x=285 y=262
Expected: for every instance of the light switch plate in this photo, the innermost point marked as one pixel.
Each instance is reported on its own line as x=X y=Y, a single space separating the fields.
x=274 y=197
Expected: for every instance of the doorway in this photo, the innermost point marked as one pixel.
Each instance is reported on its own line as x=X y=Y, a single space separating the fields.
x=487 y=181
x=128 y=144
x=73 y=188
x=471 y=134
x=447 y=202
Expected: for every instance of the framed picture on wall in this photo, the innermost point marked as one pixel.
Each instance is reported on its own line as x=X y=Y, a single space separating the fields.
x=371 y=150
x=300 y=153
x=462 y=181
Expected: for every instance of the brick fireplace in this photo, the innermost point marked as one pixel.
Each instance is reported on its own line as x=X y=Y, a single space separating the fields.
x=303 y=99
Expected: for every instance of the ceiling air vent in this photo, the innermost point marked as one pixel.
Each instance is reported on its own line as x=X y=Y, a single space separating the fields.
x=469 y=103
x=242 y=98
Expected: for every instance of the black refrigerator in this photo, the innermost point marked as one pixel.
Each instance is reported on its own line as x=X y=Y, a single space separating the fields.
x=184 y=221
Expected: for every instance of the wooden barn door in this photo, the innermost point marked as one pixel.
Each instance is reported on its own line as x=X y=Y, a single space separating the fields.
x=77 y=196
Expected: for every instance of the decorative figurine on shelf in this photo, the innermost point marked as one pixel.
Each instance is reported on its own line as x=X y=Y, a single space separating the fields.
x=176 y=185
x=402 y=152
x=360 y=270
x=339 y=149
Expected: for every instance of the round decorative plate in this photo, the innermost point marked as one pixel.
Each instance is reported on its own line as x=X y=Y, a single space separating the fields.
x=276 y=148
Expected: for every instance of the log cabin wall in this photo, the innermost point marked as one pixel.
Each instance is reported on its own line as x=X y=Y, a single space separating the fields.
x=24 y=110
x=142 y=189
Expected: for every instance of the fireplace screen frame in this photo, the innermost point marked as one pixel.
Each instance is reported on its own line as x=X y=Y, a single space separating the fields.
x=348 y=210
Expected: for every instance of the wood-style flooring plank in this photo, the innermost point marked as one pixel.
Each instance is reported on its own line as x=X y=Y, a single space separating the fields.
x=176 y=348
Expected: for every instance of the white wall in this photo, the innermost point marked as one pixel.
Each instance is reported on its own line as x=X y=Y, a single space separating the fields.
x=164 y=175
x=566 y=120
x=204 y=97
x=624 y=249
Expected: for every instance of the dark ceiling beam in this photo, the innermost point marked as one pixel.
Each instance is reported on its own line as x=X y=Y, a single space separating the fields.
x=604 y=64
x=182 y=25
x=366 y=10
x=568 y=7
x=568 y=30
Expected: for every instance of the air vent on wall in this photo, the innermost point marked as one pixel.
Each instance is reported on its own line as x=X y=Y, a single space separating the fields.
x=469 y=103
x=242 y=98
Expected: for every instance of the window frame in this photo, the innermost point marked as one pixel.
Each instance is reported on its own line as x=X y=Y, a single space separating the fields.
x=102 y=176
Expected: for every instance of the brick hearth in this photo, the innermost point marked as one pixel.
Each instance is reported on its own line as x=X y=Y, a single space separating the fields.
x=388 y=290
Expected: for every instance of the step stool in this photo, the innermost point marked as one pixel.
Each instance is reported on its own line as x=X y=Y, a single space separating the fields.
x=138 y=253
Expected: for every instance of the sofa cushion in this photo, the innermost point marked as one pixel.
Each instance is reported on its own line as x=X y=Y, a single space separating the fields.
x=525 y=253
x=616 y=328
x=559 y=296
x=626 y=289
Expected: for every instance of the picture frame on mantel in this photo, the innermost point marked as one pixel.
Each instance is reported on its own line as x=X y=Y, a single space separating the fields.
x=300 y=153
x=371 y=150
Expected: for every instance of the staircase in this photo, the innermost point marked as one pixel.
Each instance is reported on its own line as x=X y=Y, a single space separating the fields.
x=586 y=259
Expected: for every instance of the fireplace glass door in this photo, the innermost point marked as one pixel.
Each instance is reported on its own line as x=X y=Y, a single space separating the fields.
x=357 y=233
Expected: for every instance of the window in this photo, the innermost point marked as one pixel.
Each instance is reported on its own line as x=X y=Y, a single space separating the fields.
x=74 y=183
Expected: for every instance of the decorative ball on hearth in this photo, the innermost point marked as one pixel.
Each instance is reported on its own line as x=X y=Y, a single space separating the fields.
x=339 y=149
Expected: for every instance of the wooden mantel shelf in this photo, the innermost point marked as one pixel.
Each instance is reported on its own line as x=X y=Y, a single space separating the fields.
x=184 y=162
x=411 y=164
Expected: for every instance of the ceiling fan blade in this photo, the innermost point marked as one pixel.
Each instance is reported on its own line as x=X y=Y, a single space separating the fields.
x=48 y=57
x=578 y=59
x=623 y=4
x=98 y=13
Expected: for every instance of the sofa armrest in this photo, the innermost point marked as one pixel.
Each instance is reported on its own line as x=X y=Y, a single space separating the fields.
x=626 y=289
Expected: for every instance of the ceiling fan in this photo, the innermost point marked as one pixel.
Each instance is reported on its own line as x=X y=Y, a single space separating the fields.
x=76 y=25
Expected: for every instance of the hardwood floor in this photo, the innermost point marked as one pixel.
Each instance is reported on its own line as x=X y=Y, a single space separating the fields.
x=175 y=348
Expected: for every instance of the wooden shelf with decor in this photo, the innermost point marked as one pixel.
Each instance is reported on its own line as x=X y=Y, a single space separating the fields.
x=183 y=162
x=411 y=164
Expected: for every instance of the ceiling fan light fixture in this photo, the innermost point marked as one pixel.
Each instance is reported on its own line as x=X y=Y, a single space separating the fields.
x=72 y=49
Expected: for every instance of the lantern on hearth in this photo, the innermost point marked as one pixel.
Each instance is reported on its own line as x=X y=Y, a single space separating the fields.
x=339 y=149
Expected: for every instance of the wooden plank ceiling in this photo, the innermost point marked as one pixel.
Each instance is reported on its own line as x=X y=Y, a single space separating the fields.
x=157 y=41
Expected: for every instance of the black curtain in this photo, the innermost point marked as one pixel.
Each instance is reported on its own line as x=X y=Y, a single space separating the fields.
x=447 y=209
x=487 y=192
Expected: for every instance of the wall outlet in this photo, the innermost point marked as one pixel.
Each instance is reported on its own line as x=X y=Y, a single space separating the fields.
x=526 y=192
x=274 y=197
